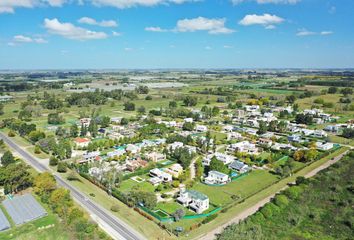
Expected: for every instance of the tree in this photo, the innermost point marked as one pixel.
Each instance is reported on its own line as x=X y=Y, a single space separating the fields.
x=60 y=201
x=178 y=214
x=172 y=104
x=190 y=101
x=44 y=183
x=304 y=119
x=53 y=161
x=347 y=91
x=290 y=98
x=74 y=131
x=262 y=127
x=7 y=159
x=93 y=128
x=148 y=199
x=15 y=177
x=348 y=133
x=61 y=167
x=55 y=118
x=332 y=90
x=188 y=126
x=129 y=106
x=216 y=165
x=35 y=136
x=83 y=130
x=1 y=109
x=141 y=110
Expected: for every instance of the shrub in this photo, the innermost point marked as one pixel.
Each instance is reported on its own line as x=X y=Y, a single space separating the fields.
x=62 y=168
x=11 y=134
x=209 y=218
x=115 y=208
x=53 y=161
x=281 y=200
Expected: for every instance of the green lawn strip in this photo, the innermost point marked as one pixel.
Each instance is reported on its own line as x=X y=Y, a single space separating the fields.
x=134 y=219
x=234 y=211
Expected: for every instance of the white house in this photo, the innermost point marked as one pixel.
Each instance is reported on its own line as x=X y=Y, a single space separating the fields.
x=85 y=122
x=165 y=177
x=196 y=201
x=233 y=135
x=307 y=132
x=133 y=148
x=320 y=133
x=294 y=138
x=90 y=156
x=175 y=170
x=117 y=152
x=155 y=156
x=226 y=159
x=252 y=108
x=175 y=145
x=201 y=128
x=215 y=177
x=228 y=128
x=116 y=120
x=188 y=120
x=324 y=146
x=243 y=147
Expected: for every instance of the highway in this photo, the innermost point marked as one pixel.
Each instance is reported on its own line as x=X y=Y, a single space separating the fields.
x=115 y=227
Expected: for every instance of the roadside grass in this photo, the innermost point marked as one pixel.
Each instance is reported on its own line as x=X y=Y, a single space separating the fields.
x=134 y=219
x=341 y=140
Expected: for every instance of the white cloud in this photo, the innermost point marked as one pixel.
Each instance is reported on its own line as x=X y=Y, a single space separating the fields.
x=25 y=39
x=267 y=20
x=155 y=29
x=208 y=48
x=103 y=23
x=21 y=38
x=128 y=49
x=70 y=31
x=228 y=46
x=235 y=2
x=8 y=6
x=326 y=33
x=135 y=3
x=116 y=34
x=212 y=25
x=304 y=32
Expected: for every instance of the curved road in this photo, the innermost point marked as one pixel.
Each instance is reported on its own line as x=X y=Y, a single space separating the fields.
x=113 y=226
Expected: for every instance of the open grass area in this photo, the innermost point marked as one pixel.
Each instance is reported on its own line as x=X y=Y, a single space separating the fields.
x=242 y=187
x=127 y=185
x=46 y=228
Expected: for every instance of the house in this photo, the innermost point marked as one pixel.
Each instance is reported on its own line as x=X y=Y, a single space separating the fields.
x=85 y=122
x=283 y=146
x=324 y=146
x=265 y=142
x=252 y=108
x=116 y=120
x=132 y=165
x=117 y=152
x=201 y=128
x=188 y=120
x=320 y=133
x=133 y=148
x=155 y=156
x=226 y=159
x=196 y=201
x=240 y=113
x=215 y=177
x=243 y=147
x=294 y=138
x=307 y=132
x=90 y=156
x=332 y=128
x=175 y=170
x=157 y=173
x=239 y=166
x=228 y=128
x=234 y=136
x=175 y=145
x=82 y=142
x=6 y=98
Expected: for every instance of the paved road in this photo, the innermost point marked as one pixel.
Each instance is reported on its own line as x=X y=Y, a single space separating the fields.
x=116 y=227
x=253 y=209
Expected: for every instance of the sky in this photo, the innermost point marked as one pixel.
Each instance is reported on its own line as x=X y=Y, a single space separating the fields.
x=139 y=34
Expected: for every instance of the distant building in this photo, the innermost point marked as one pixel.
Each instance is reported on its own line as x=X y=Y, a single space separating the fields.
x=82 y=142
x=90 y=157
x=6 y=98
x=224 y=158
x=155 y=156
x=324 y=146
x=239 y=166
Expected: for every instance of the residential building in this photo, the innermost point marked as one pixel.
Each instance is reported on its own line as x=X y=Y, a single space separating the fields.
x=226 y=159
x=324 y=146
x=81 y=142
x=294 y=138
x=215 y=177
x=239 y=166
x=90 y=156
x=243 y=147
x=164 y=176
x=196 y=201
x=155 y=156
x=201 y=128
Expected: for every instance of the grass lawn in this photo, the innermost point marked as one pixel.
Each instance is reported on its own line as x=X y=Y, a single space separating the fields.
x=127 y=185
x=243 y=187
x=31 y=231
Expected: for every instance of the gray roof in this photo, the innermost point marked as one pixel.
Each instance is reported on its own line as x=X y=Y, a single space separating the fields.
x=4 y=223
x=24 y=208
x=220 y=174
x=237 y=165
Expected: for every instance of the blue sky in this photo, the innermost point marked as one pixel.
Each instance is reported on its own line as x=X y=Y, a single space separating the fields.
x=57 y=34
